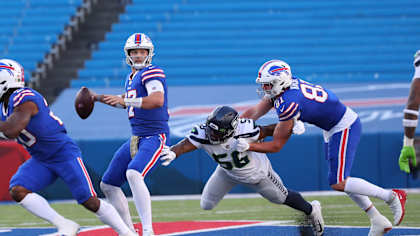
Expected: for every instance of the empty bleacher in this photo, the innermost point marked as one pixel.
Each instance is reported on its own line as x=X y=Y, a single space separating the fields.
x=224 y=42
x=28 y=29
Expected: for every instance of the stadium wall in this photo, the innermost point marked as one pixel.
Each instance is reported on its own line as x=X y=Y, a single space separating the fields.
x=301 y=165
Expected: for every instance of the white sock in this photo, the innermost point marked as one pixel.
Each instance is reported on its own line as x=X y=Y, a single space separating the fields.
x=108 y=215
x=38 y=206
x=141 y=198
x=361 y=186
x=372 y=212
x=365 y=203
x=117 y=198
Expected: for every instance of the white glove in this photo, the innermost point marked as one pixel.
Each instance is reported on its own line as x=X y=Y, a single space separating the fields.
x=298 y=127
x=167 y=156
x=242 y=145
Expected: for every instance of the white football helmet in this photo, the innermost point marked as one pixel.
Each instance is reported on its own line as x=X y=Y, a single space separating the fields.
x=11 y=75
x=139 y=41
x=276 y=73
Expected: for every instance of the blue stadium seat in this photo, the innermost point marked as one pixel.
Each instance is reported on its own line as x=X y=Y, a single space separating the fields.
x=29 y=28
x=225 y=42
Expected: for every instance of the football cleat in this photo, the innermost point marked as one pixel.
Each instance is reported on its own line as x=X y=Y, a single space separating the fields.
x=397 y=205
x=315 y=218
x=379 y=225
x=148 y=232
x=130 y=233
x=66 y=228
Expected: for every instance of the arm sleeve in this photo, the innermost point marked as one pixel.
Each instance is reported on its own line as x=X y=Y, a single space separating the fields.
x=154 y=86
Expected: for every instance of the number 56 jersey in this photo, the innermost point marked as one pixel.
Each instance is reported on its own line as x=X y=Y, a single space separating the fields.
x=246 y=167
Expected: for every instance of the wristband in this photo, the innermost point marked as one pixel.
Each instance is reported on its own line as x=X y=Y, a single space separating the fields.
x=416 y=72
x=133 y=102
x=409 y=123
x=408 y=141
x=411 y=112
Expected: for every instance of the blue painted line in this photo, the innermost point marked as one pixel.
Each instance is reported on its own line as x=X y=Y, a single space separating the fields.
x=248 y=231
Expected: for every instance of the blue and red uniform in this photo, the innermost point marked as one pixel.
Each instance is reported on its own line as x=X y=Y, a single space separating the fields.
x=54 y=154
x=321 y=107
x=149 y=127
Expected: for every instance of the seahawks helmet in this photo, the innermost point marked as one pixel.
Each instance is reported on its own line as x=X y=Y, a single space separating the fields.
x=138 y=41
x=221 y=124
x=11 y=76
x=277 y=74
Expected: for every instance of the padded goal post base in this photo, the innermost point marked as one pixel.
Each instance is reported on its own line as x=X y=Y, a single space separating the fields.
x=12 y=155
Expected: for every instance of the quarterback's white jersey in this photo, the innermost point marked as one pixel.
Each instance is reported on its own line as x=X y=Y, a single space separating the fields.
x=247 y=167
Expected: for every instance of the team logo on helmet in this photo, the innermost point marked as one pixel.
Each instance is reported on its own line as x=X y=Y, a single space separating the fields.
x=276 y=70
x=7 y=68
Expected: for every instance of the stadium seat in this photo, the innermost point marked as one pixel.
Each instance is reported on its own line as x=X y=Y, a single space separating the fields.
x=29 y=28
x=224 y=42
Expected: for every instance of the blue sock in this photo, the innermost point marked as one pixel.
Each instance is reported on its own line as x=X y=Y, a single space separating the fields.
x=296 y=201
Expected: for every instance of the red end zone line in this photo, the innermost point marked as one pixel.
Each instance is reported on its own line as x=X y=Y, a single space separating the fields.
x=197 y=110
x=173 y=227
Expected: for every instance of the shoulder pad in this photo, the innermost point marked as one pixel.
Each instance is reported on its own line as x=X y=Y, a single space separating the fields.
x=198 y=134
x=247 y=129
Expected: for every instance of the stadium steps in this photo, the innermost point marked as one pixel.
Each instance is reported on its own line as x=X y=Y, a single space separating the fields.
x=104 y=13
x=225 y=42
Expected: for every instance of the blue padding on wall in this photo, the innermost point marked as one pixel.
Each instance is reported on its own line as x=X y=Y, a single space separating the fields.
x=388 y=153
x=301 y=164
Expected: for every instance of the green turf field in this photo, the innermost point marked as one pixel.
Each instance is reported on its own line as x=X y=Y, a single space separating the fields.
x=337 y=210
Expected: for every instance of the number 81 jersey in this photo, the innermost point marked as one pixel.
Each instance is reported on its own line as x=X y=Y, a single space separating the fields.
x=247 y=167
x=311 y=103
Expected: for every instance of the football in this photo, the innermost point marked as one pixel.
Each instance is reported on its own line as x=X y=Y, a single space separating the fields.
x=84 y=103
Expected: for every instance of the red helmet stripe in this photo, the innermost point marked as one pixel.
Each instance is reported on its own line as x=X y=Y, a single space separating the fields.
x=7 y=67
x=138 y=39
x=278 y=69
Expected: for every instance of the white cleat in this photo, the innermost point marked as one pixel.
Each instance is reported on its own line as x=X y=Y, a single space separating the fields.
x=148 y=232
x=316 y=219
x=66 y=228
x=380 y=225
x=130 y=233
x=397 y=205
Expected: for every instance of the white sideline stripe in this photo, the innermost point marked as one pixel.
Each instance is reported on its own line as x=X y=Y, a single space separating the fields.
x=255 y=195
x=240 y=195
x=371 y=87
